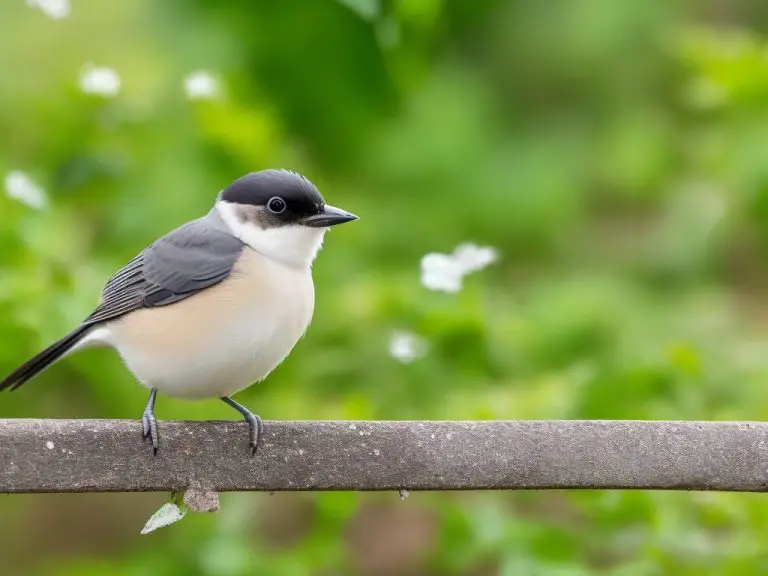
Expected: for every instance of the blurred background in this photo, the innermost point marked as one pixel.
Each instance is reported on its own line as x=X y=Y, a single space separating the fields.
x=612 y=157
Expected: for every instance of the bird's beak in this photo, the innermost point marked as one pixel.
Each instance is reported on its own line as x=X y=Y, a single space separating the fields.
x=330 y=216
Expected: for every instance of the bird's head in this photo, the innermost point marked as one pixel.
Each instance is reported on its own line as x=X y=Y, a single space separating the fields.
x=280 y=214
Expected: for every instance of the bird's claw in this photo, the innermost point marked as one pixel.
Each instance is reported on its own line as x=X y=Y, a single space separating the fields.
x=255 y=425
x=255 y=430
x=149 y=425
x=149 y=422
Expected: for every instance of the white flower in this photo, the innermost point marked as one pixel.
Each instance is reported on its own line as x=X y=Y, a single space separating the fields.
x=56 y=9
x=407 y=346
x=201 y=85
x=472 y=258
x=445 y=272
x=99 y=80
x=441 y=272
x=19 y=186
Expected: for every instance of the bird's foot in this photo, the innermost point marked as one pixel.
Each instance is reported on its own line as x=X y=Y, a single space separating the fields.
x=255 y=429
x=255 y=424
x=149 y=422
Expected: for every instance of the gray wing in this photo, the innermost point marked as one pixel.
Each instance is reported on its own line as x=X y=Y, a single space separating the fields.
x=185 y=261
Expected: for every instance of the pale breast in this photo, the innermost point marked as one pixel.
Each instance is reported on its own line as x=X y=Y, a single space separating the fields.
x=222 y=339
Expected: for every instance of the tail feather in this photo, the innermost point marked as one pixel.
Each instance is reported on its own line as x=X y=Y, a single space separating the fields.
x=41 y=361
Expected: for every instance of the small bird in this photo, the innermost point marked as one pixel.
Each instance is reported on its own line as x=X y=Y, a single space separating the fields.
x=216 y=304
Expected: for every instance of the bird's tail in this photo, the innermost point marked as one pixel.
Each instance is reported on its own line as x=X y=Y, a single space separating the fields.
x=44 y=359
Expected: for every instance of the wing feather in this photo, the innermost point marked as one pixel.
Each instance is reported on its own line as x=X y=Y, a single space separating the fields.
x=185 y=261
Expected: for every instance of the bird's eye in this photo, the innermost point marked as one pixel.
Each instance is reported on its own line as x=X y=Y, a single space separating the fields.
x=276 y=205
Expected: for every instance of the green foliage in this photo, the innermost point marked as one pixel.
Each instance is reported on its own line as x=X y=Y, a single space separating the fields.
x=615 y=153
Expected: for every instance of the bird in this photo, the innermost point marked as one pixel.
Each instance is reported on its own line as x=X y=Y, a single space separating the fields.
x=216 y=304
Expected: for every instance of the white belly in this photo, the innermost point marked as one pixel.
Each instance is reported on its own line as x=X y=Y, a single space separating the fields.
x=222 y=339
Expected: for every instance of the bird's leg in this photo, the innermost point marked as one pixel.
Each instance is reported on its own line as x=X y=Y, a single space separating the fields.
x=149 y=422
x=255 y=425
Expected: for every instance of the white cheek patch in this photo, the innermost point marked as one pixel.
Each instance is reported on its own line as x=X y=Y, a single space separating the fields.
x=293 y=244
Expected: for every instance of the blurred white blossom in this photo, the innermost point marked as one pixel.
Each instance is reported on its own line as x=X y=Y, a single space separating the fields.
x=440 y=272
x=445 y=272
x=201 y=85
x=19 y=186
x=472 y=258
x=407 y=346
x=56 y=9
x=99 y=80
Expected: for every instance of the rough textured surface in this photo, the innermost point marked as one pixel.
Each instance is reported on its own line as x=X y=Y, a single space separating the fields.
x=109 y=455
x=200 y=500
